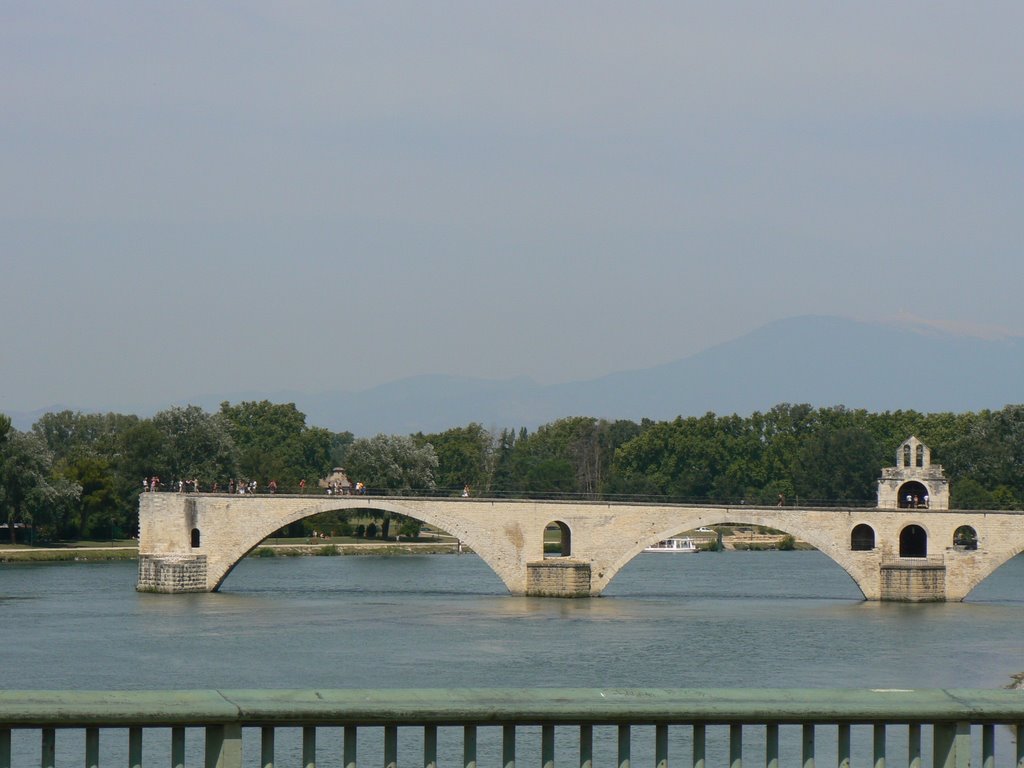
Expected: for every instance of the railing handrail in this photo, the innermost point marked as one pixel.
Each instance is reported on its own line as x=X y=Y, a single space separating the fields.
x=546 y=706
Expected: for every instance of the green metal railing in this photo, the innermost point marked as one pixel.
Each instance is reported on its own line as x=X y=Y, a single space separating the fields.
x=706 y=727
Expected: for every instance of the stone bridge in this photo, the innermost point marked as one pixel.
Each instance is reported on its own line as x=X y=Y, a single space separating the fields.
x=190 y=542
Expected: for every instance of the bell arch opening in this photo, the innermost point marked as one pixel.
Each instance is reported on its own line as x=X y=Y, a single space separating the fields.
x=862 y=538
x=194 y=538
x=913 y=542
x=913 y=495
x=557 y=539
x=965 y=537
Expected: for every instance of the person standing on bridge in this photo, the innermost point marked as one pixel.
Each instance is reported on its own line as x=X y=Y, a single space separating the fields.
x=465 y=491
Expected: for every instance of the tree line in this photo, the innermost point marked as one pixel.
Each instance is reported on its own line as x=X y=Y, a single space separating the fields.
x=75 y=475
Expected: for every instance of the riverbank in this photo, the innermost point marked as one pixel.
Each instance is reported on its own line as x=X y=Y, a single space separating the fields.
x=129 y=551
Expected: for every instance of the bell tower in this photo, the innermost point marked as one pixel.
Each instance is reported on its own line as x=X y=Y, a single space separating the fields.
x=914 y=483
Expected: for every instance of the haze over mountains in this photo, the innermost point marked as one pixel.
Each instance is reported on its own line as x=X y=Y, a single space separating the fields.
x=821 y=360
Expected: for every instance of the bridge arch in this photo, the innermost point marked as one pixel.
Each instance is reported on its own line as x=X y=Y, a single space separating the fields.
x=913 y=541
x=785 y=521
x=965 y=537
x=564 y=539
x=473 y=536
x=862 y=538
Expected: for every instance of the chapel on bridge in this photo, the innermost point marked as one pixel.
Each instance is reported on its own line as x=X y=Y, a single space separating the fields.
x=914 y=482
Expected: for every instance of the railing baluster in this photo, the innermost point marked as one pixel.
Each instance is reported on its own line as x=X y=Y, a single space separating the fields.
x=135 y=747
x=430 y=746
x=879 y=745
x=771 y=745
x=48 y=749
x=914 y=745
x=1020 y=745
x=661 y=746
x=586 y=746
x=843 y=746
x=223 y=746
x=700 y=743
x=267 y=739
x=469 y=746
x=508 y=746
x=952 y=745
x=5 y=748
x=624 y=746
x=178 y=746
x=735 y=746
x=92 y=748
x=350 y=746
x=988 y=746
x=390 y=746
x=807 y=755
x=547 y=746
x=309 y=747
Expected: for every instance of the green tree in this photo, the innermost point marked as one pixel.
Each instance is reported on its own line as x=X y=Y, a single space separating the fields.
x=195 y=444
x=274 y=443
x=28 y=493
x=392 y=463
x=464 y=457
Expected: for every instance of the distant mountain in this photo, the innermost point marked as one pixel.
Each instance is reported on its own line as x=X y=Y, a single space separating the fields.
x=821 y=360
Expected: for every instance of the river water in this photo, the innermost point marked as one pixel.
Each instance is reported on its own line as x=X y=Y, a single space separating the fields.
x=731 y=619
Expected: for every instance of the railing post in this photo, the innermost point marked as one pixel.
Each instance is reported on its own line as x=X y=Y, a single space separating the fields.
x=1020 y=745
x=952 y=745
x=879 y=745
x=547 y=746
x=807 y=756
x=349 y=749
x=92 y=748
x=390 y=746
x=5 y=748
x=469 y=746
x=914 y=745
x=661 y=746
x=224 y=746
x=735 y=746
x=309 y=746
x=988 y=746
x=700 y=736
x=135 y=747
x=48 y=750
x=508 y=746
x=430 y=746
x=586 y=746
x=843 y=751
x=267 y=737
x=771 y=745
x=178 y=747
x=624 y=746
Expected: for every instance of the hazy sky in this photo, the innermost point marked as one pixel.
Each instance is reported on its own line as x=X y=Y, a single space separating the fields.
x=219 y=197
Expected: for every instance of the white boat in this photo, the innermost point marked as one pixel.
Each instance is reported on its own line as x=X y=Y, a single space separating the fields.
x=677 y=545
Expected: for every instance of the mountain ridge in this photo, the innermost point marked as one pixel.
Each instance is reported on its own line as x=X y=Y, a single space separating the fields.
x=822 y=360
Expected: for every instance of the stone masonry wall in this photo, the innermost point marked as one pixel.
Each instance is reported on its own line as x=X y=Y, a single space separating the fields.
x=172 y=573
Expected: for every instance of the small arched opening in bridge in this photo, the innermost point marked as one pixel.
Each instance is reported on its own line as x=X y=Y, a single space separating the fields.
x=862 y=538
x=913 y=542
x=965 y=537
x=912 y=495
x=557 y=539
x=194 y=538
